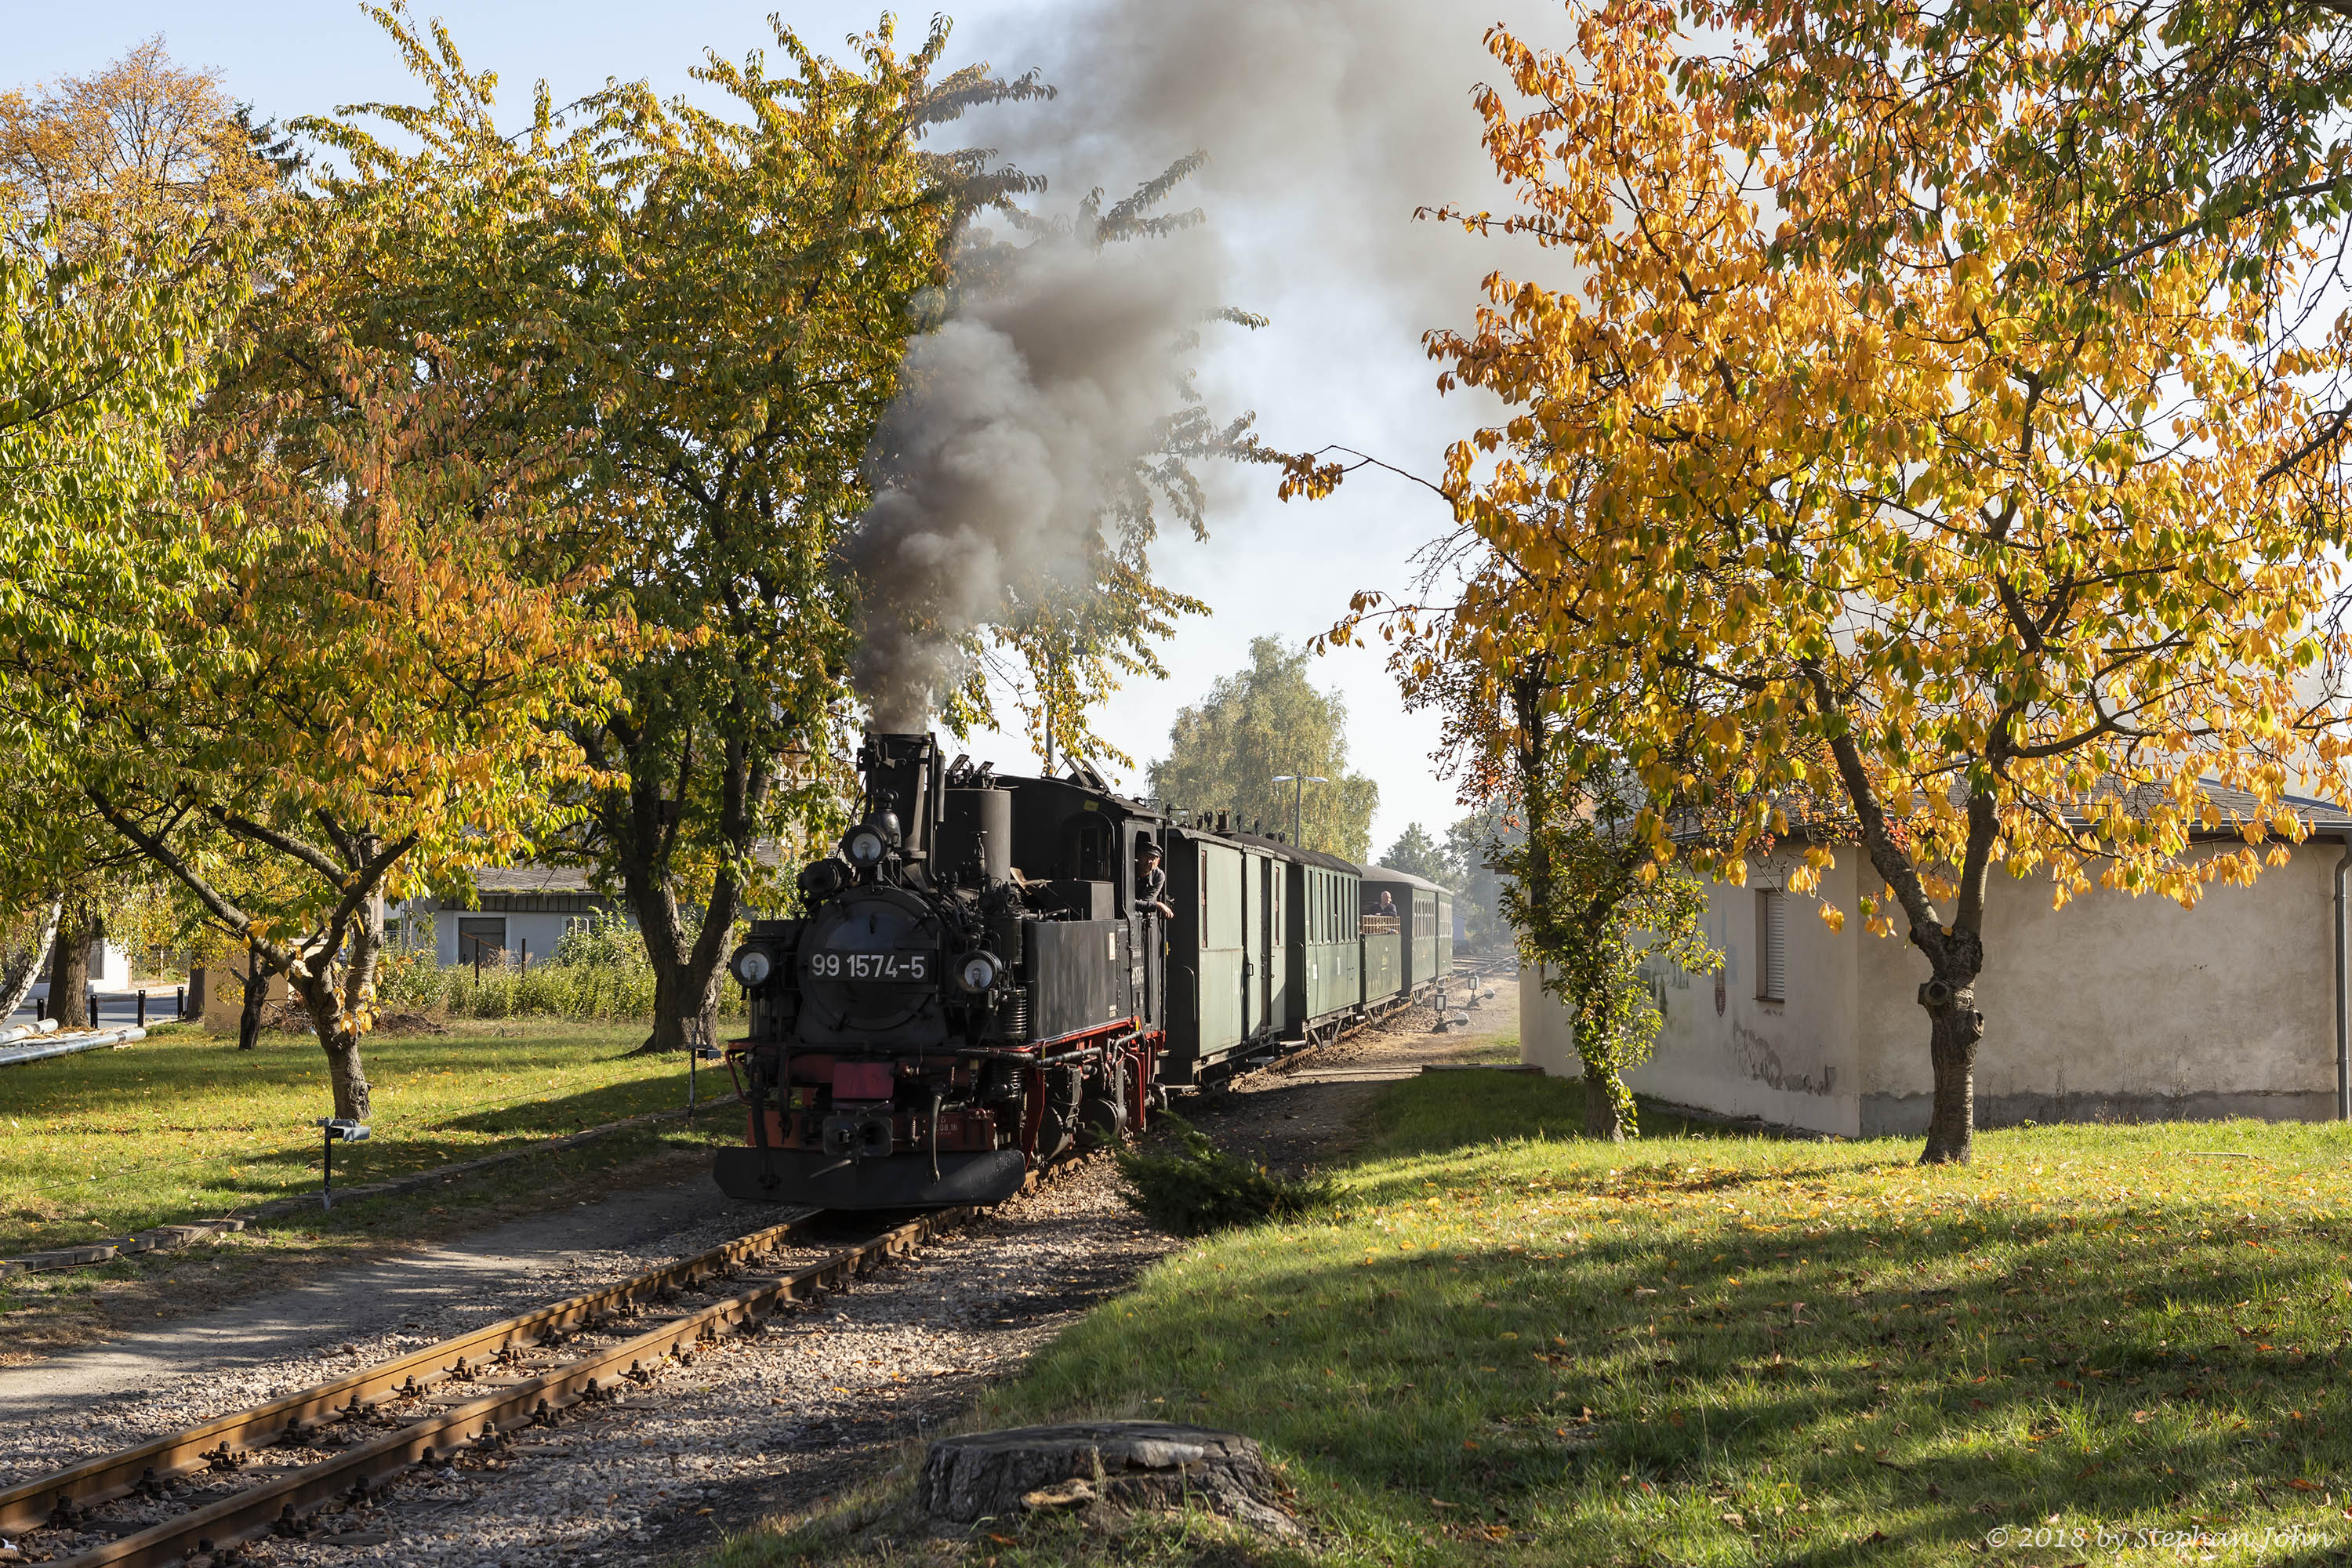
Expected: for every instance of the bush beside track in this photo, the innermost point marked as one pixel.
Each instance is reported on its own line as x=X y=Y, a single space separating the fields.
x=1511 y=1346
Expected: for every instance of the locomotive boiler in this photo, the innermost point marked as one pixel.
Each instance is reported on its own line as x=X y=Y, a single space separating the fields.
x=980 y=979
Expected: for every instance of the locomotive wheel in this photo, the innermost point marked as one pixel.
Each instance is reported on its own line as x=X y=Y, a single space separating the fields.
x=1104 y=1111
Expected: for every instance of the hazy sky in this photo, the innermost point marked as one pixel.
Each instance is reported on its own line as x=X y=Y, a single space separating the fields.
x=1326 y=122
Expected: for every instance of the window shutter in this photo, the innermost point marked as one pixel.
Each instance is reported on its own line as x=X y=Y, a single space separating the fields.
x=1771 y=944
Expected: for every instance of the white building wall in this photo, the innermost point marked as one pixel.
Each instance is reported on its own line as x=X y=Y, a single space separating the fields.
x=109 y=969
x=2118 y=1008
x=2113 y=1008
x=510 y=931
x=1724 y=1049
x=1721 y=1048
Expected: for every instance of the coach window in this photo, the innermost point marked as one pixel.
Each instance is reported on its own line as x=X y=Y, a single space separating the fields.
x=1771 y=945
x=1204 y=898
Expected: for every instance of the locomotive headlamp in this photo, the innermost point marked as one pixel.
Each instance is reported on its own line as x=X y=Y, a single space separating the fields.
x=863 y=845
x=752 y=964
x=978 y=970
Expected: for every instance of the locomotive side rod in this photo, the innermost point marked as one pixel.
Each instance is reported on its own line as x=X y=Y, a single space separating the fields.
x=115 y=1474
x=257 y=1509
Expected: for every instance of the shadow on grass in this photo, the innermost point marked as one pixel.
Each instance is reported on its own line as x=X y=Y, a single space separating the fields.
x=198 y=1129
x=1560 y=1352
x=393 y=1151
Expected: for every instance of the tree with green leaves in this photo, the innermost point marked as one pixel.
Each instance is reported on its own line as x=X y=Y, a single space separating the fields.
x=1416 y=852
x=1593 y=907
x=711 y=305
x=1224 y=754
x=1906 y=429
x=372 y=687
x=126 y=198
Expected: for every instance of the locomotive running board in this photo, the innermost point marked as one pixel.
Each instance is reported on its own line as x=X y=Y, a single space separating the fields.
x=898 y=1182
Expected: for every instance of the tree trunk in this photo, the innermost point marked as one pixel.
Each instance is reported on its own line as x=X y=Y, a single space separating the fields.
x=256 y=991
x=20 y=965
x=363 y=948
x=686 y=1006
x=69 y=964
x=1954 y=952
x=1601 y=1117
x=340 y=1038
x=687 y=970
x=1954 y=1028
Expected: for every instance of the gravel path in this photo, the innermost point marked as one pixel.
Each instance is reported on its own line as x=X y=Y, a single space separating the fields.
x=751 y=1427
x=95 y=1400
x=1308 y=1109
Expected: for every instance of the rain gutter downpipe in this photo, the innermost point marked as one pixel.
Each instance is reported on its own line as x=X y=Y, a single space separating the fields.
x=2343 y=989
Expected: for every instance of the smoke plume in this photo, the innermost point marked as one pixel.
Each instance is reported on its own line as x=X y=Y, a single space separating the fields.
x=1325 y=123
x=1013 y=419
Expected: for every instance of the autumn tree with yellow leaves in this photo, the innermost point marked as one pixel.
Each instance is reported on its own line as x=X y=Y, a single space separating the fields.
x=290 y=611
x=1849 y=463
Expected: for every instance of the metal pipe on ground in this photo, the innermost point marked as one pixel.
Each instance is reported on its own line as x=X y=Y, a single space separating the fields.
x=66 y=1045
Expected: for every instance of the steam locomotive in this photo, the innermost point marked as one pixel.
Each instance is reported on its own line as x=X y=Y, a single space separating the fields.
x=976 y=986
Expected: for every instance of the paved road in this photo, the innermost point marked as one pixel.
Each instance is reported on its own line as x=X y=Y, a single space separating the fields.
x=117 y=1008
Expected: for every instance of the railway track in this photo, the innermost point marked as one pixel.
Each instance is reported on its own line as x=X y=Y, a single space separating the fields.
x=286 y=1466
x=293 y=1464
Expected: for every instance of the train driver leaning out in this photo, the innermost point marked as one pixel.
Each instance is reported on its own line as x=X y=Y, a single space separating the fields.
x=1151 y=882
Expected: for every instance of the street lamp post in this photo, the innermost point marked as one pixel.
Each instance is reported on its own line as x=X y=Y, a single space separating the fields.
x=1298 y=799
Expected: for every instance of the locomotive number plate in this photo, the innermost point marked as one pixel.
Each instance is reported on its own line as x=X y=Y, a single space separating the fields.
x=888 y=968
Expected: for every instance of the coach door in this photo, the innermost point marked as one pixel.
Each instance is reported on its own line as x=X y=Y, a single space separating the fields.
x=1253 y=945
x=1269 y=945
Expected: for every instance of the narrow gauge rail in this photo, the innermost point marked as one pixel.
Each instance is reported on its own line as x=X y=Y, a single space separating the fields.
x=499 y=1356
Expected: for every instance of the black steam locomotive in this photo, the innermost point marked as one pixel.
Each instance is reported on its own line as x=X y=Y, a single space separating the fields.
x=977 y=984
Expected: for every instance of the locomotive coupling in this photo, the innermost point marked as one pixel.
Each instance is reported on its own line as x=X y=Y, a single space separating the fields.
x=859 y=1133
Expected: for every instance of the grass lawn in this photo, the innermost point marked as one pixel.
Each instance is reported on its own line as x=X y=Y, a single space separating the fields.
x=1513 y=1347
x=183 y=1125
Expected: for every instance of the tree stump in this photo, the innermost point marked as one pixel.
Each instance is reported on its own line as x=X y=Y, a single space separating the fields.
x=1147 y=1465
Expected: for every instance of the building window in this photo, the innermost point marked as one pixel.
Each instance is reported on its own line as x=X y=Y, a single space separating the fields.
x=1771 y=945
x=482 y=938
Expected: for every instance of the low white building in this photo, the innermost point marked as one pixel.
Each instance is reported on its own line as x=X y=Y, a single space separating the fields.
x=524 y=912
x=109 y=969
x=2113 y=1008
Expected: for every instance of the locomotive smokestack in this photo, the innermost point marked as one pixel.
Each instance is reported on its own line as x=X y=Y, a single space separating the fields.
x=903 y=775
